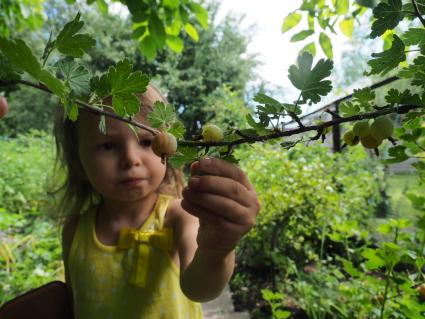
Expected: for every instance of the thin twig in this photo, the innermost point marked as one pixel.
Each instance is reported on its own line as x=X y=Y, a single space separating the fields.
x=95 y=109
x=418 y=13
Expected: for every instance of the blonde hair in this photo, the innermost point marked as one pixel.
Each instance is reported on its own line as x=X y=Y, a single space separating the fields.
x=75 y=194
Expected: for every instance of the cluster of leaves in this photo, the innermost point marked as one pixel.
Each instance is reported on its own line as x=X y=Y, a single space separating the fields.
x=158 y=24
x=74 y=83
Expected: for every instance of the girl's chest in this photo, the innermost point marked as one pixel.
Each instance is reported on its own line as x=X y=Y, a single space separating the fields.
x=108 y=234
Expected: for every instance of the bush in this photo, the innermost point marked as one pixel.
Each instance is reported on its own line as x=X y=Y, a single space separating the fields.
x=29 y=242
x=25 y=162
x=308 y=195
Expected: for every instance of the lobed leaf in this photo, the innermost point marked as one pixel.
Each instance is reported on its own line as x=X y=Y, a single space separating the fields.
x=310 y=81
x=386 y=61
x=387 y=15
x=72 y=44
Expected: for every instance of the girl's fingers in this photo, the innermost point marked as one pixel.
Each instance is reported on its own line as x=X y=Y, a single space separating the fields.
x=222 y=186
x=219 y=206
x=218 y=167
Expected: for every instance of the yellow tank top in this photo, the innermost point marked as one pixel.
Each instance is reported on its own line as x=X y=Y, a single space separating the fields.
x=101 y=276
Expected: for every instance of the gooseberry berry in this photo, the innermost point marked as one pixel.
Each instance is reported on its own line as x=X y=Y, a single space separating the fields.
x=350 y=138
x=382 y=128
x=164 y=144
x=212 y=133
x=369 y=141
x=361 y=129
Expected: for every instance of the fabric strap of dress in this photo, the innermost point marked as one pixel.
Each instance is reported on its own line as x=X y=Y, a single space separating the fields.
x=141 y=242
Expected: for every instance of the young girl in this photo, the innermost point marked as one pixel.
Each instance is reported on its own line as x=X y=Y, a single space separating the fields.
x=135 y=245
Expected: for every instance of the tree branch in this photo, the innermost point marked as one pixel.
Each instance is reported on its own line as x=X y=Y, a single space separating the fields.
x=418 y=13
x=90 y=108
x=388 y=110
x=247 y=139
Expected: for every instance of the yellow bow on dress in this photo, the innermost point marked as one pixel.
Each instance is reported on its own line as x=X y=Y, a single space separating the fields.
x=140 y=241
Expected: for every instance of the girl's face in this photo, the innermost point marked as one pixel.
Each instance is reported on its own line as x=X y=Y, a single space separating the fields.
x=118 y=165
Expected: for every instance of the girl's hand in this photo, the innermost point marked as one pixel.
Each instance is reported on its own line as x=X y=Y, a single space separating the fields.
x=225 y=203
x=3 y=106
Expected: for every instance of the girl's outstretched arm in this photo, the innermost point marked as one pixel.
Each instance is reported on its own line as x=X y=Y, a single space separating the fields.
x=227 y=206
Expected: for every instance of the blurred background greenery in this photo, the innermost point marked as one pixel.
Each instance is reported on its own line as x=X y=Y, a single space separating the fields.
x=317 y=206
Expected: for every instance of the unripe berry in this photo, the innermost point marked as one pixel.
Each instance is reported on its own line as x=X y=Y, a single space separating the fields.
x=3 y=107
x=382 y=128
x=350 y=138
x=369 y=141
x=212 y=133
x=164 y=144
x=361 y=129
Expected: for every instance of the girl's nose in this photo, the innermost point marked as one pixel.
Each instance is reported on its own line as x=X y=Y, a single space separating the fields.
x=131 y=157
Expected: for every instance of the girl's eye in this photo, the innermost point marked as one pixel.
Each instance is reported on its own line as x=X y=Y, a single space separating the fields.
x=107 y=146
x=146 y=143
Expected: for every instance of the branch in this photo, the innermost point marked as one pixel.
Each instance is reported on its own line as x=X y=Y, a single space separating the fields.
x=92 y=109
x=418 y=13
x=251 y=139
x=389 y=110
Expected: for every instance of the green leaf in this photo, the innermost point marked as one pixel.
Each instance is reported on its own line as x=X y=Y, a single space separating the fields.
x=8 y=71
x=364 y=98
x=100 y=86
x=172 y=4
x=414 y=36
x=76 y=76
x=185 y=154
x=387 y=15
x=18 y=53
x=310 y=81
x=367 y=3
x=191 y=31
x=148 y=47
x=52 y=83
x=342 y=6
x=71 y=109
x=175 y=43
x=350 y=269
x=177 y=129
x=139 y=32
x=125 y=104
x=275 y=105
x=393 y=97
x=310 y=48
x=201 y=14
x=373 y=260
x=349 y=109
x=415 y=71
x=291 y=21
x=386 y=61
x=72 y=44
x=326 y=44
x=347 y=27
x=122 y=81
x=397 y=154
x=301 y=35
x=157 y=30
x=162 y=115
